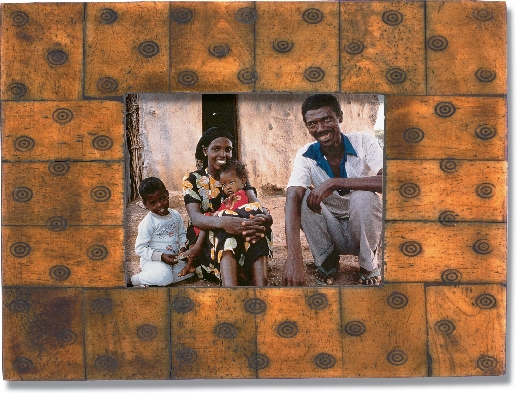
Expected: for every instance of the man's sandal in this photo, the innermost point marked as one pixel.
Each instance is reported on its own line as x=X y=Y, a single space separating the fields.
x=376 y=274
x=323 y=277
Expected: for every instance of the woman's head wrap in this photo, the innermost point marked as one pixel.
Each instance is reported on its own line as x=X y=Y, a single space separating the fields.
x=208 y=137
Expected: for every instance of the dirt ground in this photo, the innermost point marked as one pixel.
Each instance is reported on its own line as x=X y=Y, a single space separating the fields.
x=135 y=212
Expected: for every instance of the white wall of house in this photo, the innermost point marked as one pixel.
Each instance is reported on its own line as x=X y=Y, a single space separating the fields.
x=270 y=131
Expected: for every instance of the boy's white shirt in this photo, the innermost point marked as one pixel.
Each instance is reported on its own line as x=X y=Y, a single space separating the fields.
x=159 y=235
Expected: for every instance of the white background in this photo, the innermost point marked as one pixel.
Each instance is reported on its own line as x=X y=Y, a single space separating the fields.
x=473 y=384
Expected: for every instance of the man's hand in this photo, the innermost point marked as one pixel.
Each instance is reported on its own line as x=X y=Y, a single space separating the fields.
x=294 y=273
x=318 y=194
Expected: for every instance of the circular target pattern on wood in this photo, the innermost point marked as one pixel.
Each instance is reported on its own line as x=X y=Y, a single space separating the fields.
x=258 y=361
x=97 y=252
x=411 y=248
x=188 y=78
x=148 y=49
x=22 y=194
x=282 y=46
x=447 y=218
x=147 y=332
x=397 y=300
x=324 y=360
x=355 y=328
x=392 y=17
x=20 y=249
x=246 y=15
x=409 y=190
x=486 y=363
x=312 y=16
x=62 y=115
x=57 y=57
x=397 y=357
x=444 y=326
x=486 y=301
x=445 y=109
x=102 y=305
x=107 y=85
x=107 y=16
x=247 y=76
x=354 y=47
x=287 y=329
x=24 y=143
x=183 y=304
x=59 y=272
x=18 y=90
x=66 y=337
x=318 y=301
x=225 y=330
x=485 y=132
x=58 y=168
x=396 y=76
x=23 y=365
x=449 y=165
x=186 y=355
x=451 y=275
x=182 y=15
x=485 y=76
x=56 y=224
x=314 y=74
x=255 y=306
x=102 y=142
x=437 y=43
x=485 y=190
x=19 y=306
x=483 y=14
x=100 y=194
x=19 y=18
x=105 y=363
x=482 y=247
x=219 y=50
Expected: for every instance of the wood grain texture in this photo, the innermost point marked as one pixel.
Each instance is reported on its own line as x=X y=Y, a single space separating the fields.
x=213 y=334
x=296 y=46
x=305 y=324
x=127 y=334
x=76 y=257
x=43 y=336
x=442 y=127
x=70 y=130
x=86 y=193
x=42 y=51
x=446 y=190
x=432 y=252
x=127 y=48
x=381 y=47
x=383 y=331
x=466 y=329
x=459 y=63
x=212 y=46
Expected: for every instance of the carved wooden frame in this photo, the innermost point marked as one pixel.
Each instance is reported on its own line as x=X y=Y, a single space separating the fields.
x=66 y=312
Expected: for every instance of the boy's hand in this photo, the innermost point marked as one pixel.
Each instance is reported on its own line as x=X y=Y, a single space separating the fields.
x=169 y=259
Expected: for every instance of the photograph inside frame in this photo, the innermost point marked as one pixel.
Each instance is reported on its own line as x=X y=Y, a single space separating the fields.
x=254 y=189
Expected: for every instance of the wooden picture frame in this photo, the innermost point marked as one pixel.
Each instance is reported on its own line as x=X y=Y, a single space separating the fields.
x=442 y=309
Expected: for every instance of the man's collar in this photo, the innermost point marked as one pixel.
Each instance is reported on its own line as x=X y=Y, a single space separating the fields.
x=314 y=150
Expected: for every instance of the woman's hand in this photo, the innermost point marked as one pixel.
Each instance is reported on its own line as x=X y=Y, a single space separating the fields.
x=169 y=259
x=255 y=227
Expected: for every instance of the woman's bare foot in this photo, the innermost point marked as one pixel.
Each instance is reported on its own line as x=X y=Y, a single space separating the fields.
x=187 y=270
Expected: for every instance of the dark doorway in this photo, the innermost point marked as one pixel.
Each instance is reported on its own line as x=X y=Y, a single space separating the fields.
x=221 y=110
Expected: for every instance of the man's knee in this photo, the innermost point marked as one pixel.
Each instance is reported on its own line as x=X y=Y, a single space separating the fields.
x=365 y=202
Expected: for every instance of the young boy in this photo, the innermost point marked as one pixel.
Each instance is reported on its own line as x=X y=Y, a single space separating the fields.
x=161 y=237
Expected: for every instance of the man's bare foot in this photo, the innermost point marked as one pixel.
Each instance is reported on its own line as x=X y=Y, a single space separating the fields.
x=367 y=277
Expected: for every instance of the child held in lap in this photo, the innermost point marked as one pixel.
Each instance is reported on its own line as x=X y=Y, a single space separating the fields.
x=233 y=178
x=161 y=237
